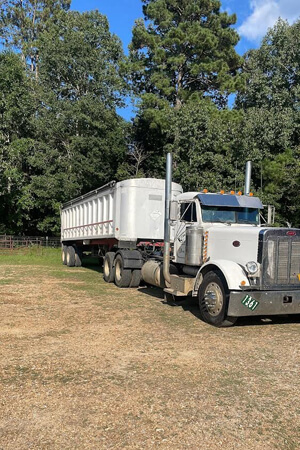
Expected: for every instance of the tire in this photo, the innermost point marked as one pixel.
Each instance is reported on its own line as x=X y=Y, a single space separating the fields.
x=70 y=256
x=122 y=276
x=78 y=257
x=213 y=298
x=136 y=277
x=64 y=254
x=108 y=267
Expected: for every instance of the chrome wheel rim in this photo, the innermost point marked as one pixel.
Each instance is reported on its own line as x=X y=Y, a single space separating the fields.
x=213 y=299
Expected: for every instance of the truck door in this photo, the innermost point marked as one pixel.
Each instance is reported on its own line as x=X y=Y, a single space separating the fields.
x=188 y=215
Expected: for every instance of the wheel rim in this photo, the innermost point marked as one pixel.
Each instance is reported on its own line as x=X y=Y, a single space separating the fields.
x=118 y=272
x=213 y=298
x=106 y=268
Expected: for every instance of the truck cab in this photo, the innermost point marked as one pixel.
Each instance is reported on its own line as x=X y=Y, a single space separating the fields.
x=219 y=215
x=234 y=265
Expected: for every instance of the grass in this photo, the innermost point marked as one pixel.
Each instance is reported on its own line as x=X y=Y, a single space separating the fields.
x=38 y=256
x=112 y=366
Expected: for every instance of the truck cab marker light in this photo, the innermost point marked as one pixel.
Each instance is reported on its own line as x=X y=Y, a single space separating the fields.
x=251 y=194
x=222 y=192
x=205 y=191
x=240 y=193
x=205 y=246
x=232 y=192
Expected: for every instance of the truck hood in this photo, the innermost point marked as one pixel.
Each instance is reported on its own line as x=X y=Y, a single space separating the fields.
x=234 y=243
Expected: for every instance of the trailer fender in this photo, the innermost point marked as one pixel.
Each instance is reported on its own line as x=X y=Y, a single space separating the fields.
x=234 y=274
x=132 y=259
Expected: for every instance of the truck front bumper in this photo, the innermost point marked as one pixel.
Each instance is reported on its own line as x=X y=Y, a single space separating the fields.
x=263 y=303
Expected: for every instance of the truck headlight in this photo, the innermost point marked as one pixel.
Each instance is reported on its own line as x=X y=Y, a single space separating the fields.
x=252 y=267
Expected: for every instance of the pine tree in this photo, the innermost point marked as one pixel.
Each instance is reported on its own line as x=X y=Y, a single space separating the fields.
x=185 y=49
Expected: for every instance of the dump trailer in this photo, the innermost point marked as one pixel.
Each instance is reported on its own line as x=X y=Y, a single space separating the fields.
x=208 y=245
x=119 y=222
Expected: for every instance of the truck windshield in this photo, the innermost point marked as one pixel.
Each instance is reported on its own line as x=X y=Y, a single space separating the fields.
x=222 y=214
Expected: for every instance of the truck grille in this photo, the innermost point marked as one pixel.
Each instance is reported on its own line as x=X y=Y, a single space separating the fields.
x=279 y=254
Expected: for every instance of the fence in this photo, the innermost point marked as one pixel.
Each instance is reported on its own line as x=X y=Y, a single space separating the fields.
x=11 y=243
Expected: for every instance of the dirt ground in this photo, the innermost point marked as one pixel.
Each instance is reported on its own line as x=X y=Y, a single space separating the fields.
x=85 y=365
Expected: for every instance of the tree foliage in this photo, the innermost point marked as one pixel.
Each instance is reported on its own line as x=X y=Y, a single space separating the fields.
x=74 y=140
x=186 y=48
x=22 y=22
x=270 y=103
x=62 y=80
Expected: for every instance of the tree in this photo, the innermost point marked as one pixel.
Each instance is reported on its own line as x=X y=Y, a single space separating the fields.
x=22 y=22
x=79 y=137
x=182 y=55
x=73 y=141
x=16 y=144
x=205 y=143
x=270 y=104
x=186 y=49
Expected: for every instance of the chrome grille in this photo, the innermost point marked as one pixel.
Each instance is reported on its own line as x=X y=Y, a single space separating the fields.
x=280 y=258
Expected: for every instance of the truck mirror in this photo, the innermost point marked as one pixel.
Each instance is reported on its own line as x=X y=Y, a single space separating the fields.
x=174 y=211
x=270 y=220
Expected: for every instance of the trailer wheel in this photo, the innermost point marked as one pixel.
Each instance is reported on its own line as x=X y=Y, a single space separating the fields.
x=136 y=277
x=78 y=257
x=108 y=267
x=70 y=256
x=122 y=276
x=213 y=301
x=64 y=254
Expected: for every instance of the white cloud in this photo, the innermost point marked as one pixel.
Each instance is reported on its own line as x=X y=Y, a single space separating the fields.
x=264 y=15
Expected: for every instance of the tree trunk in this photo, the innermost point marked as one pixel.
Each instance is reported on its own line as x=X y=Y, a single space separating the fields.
x=178 y=101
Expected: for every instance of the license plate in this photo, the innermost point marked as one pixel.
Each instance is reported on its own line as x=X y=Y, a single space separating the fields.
x=250 y=302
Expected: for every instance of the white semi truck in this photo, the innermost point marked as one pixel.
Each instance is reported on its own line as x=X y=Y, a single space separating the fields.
x=211 y=246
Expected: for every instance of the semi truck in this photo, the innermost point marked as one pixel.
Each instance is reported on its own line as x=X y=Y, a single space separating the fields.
x=211 y=246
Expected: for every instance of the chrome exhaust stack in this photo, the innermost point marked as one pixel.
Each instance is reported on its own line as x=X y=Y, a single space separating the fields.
x=248 y=177
x=168 y=193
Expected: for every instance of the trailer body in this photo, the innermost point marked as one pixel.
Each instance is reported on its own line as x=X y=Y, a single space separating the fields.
x=127 y=212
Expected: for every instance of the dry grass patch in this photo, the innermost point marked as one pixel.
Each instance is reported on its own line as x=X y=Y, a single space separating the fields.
x=86 y=365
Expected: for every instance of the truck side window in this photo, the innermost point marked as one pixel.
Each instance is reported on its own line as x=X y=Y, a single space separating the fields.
x=188 y=212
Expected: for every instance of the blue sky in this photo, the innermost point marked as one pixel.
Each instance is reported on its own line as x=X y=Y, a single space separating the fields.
x=254 y=18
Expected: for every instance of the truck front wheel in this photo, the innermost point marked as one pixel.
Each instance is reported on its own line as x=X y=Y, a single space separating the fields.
x=213 y=301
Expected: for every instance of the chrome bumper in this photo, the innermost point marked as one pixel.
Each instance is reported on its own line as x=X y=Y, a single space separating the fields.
x=263 y=303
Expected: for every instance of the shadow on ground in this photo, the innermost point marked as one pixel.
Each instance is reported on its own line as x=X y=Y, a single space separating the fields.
x=191 y=304
x=92 y=264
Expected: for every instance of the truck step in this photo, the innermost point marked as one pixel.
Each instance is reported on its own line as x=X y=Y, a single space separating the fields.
x=182 y=283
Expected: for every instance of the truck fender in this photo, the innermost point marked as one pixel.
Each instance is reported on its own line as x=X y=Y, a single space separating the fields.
x=132 y=259
x=233 y=273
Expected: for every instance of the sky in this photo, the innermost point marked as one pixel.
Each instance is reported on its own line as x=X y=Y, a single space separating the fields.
x=254 y=17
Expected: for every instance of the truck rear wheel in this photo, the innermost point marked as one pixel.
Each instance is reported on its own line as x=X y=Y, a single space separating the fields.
x=70 y=256
x=136 y=277
x=213 y=301
x=122 y=276
x=108 y=267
